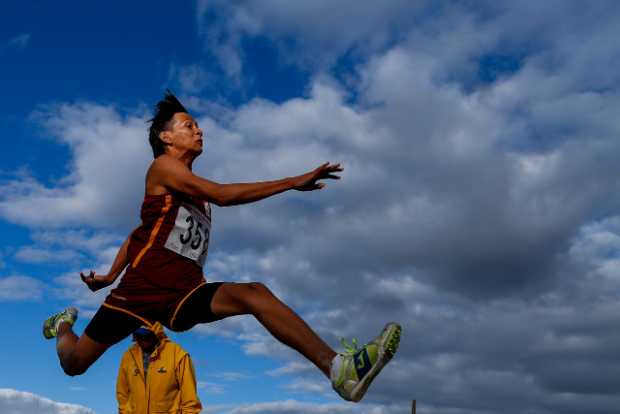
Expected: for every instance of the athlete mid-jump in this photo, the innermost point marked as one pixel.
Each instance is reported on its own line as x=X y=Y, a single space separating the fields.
x=164 y=282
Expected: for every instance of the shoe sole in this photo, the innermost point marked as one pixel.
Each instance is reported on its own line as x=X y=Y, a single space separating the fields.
x=387 y=349
x=47 y=328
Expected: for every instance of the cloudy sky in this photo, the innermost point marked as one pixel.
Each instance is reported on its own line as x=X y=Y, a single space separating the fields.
x=479 y=206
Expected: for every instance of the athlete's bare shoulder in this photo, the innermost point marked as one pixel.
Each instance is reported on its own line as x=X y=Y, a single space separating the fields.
x=156 y=174
x=164 y=174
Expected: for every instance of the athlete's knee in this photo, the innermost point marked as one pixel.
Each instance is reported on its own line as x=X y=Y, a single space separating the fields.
x=74 y=371
x=72 y=366
x=250 y=296
x=259 y=297
x=244 y=292
x=247 y=297
x=258 y=288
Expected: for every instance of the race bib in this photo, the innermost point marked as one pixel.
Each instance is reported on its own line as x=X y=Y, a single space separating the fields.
x=190 y=235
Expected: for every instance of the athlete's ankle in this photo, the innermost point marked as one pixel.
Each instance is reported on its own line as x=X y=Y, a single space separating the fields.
x=324 y=362
x=334 y=367
x=62 y=328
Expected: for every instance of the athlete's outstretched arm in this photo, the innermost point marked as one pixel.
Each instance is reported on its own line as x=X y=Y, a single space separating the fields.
x=171 y=173
x=96 y=282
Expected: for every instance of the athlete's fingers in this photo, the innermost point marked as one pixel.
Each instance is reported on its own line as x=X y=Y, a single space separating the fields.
x=330 y=167
x=328 y=176
x=320 y=168
x=329 y=172
x=89 y=280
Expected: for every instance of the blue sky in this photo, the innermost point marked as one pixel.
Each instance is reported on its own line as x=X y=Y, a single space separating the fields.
x=479 y=205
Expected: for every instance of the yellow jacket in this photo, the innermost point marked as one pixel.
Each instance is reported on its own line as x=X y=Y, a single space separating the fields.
x=171 y=381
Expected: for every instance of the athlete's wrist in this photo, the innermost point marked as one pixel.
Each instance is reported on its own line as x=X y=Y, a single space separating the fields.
x=109 y=278
x=292 y=182
x=297 y=181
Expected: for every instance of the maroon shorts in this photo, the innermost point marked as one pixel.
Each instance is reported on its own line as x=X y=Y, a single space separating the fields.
x=176 y=311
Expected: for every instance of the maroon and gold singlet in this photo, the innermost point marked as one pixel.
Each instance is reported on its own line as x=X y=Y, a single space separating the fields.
x=166 y=255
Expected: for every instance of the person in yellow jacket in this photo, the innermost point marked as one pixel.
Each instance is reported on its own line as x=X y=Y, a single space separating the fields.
x=156 y=376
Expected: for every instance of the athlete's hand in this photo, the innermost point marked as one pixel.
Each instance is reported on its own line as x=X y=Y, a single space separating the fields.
x=308 y=181
x=95 y=282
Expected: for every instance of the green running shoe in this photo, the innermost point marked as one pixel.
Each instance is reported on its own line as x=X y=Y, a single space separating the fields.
x=50 y=326
x=353 y=370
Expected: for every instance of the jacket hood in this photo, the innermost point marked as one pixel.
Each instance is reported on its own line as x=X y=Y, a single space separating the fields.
x=158 y=330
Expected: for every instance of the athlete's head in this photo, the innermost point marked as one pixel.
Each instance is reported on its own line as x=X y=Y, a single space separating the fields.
x=173 y=125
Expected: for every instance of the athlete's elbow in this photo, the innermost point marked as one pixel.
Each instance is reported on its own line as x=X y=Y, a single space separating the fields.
x=224 y=202
x=224 y=198
x=216 y=194
x=218 y=200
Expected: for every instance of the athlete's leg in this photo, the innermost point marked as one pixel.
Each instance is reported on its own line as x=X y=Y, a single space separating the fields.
x=284 y=324
x=75 y=353
x=350 y=372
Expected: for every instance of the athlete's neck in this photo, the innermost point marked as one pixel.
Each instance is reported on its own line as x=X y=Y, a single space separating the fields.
x=186 y=157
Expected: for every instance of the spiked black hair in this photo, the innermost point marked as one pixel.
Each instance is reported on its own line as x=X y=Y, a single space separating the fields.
x=164 y=111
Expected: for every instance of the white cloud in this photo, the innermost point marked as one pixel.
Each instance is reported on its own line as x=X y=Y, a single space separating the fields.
x=110 y=155
x=80 y=251
x=231 y=376
x=70 y=246
x=320 y=31
x=310 y=387
x=465 y=212
x=598 y=247
x=69 y=286
x=31 y=254
x=191 y=78
x=292 y=368
x=211 y=387
x=20 y=41
x=96 y=251
x=431 y=202
x=20 y=288
x=297 y=407
x=93 y=243
x=20 y=402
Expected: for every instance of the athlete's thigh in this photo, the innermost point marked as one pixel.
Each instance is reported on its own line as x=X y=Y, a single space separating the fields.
x=105 y=329
x=238 y=298
x=195 y=308
x=110 y=326
x=87 y=351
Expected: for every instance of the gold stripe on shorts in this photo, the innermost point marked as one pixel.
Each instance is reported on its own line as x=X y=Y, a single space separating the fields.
x=147 y=323
x=174 y=315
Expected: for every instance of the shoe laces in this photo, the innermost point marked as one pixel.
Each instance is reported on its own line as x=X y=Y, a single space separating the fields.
x=350 y=349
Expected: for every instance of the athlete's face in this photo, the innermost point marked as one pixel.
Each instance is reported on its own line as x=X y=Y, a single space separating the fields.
x=184 y=133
